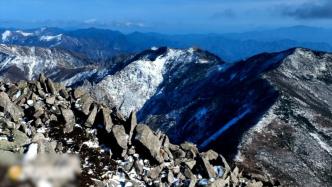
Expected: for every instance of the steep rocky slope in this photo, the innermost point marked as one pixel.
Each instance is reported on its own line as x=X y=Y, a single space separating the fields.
x=42 y=120
x=292 y=142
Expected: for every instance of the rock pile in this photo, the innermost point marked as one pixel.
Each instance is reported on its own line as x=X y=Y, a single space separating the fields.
x=45 y=117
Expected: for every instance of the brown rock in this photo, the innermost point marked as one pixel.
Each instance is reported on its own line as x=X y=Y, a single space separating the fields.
x=190 y=163
x=170 y=177
x=42 y=78
x=63 y=92
x=227 y=168
x=108 y=123
x=92 y=116
x=148 y=142
x=235 y=176
x=186 y=171
x=6 y=105
x=86 y=102
x=210 y=155
x=78 y=92
x=40 y=90
x=205 y=168
x=190 y=149
x=138 y=167
x=69 y=118
x=51 y=87
x=38 y=113
x=50 y=100
x=219 y=183
x=176 y=151
x=12 y=91
x=131 y=124
x=155 y=172
x=120 y=137
x=255 y=184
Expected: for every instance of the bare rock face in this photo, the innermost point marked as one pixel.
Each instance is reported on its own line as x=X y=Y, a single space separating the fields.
x=149 y=142
x=120 y=136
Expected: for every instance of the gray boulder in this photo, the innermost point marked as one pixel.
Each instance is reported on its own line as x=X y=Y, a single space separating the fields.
x=108 y=123
x=51 y=87
x=131 y=124
x=8 y=106
x=92 y=116
x=148 y=142
x=69 y=118
x=119 y=135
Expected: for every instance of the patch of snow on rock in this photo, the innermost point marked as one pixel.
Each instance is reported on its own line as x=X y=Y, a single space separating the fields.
x=32 y=152
x=154 y=48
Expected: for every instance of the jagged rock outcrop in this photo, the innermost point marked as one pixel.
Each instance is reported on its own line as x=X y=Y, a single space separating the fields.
x=113 y=150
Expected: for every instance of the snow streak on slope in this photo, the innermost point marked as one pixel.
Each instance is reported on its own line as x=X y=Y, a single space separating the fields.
x=224 y=128
x=50 y=38
x=25 y=34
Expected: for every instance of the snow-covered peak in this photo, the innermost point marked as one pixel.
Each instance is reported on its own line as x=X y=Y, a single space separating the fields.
x=5 y=35
x=32 y=61
x=131 y=87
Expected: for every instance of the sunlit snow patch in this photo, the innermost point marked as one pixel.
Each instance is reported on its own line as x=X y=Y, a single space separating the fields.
x=51 y=38
x=6 y=35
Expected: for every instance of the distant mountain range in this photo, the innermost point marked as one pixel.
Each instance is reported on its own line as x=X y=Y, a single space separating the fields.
x=101 y=44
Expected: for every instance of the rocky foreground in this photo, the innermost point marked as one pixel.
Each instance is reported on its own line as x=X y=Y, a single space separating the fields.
x=45 y=118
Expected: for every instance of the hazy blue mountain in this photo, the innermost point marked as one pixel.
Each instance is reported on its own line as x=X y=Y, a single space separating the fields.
x=297 y=33
x=102 y=44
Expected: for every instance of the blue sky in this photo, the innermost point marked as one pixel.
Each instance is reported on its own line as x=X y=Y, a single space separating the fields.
x=167 y=16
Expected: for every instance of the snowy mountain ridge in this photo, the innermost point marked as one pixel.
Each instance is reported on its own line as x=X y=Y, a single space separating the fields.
x=18 y=62
x=10 y=36
x=134 y=85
